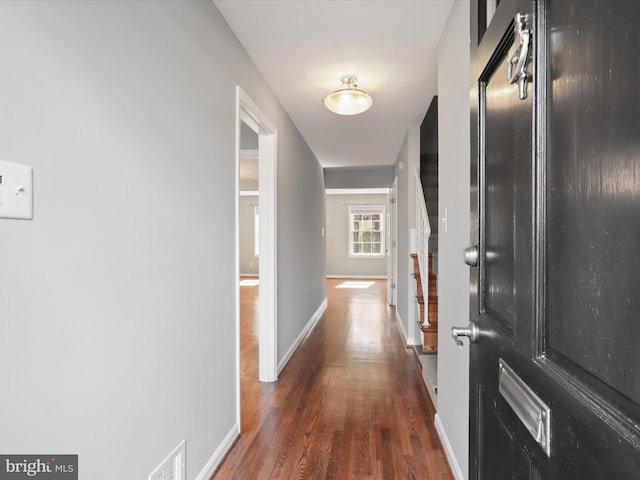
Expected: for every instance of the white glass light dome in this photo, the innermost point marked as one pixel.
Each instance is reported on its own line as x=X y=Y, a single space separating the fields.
x=348 y=99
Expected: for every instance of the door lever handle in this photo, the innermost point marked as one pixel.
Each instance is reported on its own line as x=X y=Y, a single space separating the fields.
x=472 y=332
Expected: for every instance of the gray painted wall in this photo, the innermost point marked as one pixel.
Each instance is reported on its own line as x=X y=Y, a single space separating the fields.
x=248 y=164
x=405 y=165
x=453 y=278
x=118 y=324
x=248 y=138
x=359 y=177
x=338 y=261
x=301 y=244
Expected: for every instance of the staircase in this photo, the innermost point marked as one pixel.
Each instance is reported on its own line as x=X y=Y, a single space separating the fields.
x=419 y=295
x=430 y=330
x=428 y=178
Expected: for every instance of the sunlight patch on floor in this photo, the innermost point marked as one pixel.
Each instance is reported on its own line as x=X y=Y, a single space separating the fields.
x=355 y=284
x=249 y=282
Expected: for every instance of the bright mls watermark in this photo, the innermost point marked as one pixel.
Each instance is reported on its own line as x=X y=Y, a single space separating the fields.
x=44 y=467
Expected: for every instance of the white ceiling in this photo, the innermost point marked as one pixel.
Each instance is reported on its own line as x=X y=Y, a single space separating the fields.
x=303 y=47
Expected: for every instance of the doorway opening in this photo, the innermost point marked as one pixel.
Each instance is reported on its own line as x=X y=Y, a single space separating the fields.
x=250 y=118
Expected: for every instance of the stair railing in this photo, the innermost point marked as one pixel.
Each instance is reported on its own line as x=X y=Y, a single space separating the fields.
x=423 y=231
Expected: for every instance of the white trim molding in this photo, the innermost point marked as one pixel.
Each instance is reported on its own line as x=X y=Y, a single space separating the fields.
x=364 y=277
x=366 y=226
x=248 y=112
x=356 y=191
x=401 y=327
x=304 y=334
x=453 y=463
x=218 y=456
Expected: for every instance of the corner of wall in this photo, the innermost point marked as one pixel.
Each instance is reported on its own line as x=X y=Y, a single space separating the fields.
x=313 y=321
x=452 y=419
x=218 y=456
x=451 y=457
x=403 y=330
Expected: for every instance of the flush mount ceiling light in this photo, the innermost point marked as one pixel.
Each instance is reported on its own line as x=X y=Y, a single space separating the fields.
x=348 y=99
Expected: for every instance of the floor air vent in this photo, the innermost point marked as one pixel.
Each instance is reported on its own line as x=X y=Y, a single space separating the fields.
x=172 y=468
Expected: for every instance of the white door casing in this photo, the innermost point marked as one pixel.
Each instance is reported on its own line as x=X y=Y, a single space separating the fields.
x=392 y=249
x=248 y=112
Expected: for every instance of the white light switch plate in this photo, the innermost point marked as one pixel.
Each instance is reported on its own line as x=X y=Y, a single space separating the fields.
x=16 y=191
x=445 y=221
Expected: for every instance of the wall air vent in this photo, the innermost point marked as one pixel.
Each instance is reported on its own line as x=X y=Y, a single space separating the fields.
x=173 y=467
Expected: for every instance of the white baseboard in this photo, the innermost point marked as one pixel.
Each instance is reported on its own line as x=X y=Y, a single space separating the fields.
x=401 y=327
x=364 y=277
x=305 y=331
x=231 y=437
x=453 y=463
x=217 y=457
x=414 y=335
x=409 y=341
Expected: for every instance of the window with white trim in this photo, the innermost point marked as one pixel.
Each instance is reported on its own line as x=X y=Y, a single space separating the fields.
x=366 y=231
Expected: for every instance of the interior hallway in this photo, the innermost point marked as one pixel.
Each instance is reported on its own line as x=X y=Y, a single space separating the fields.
x=349 y=405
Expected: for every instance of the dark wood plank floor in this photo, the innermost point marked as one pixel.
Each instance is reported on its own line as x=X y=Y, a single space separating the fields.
x=350 y=404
